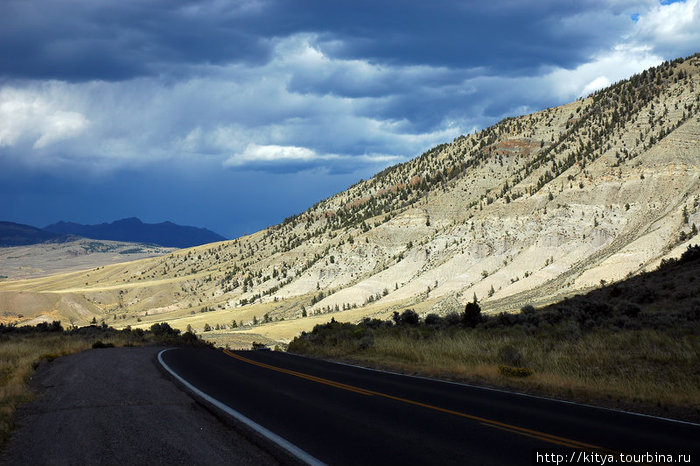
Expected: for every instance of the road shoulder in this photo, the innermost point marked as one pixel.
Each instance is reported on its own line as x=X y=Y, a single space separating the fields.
x=114 y=406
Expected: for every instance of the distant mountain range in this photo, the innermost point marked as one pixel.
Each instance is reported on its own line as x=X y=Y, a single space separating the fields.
x=132 y=229
x=17 y=234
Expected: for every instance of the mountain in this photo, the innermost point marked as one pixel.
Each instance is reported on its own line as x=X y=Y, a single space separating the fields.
x=528 y=211
x=132 y=229
x=17 y=234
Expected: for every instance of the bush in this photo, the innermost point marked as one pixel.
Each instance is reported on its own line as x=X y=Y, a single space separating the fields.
x=510 y=355
x=98 y=344
x=259 y=346
x=189 y=338
x=452 y=319
x=366 y=342
x=433 y=320
x=514 y=371
x=407 y=317
x=164 y=329
x=630 y=309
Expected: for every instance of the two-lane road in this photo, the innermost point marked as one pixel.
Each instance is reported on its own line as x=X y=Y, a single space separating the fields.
x=346 y=415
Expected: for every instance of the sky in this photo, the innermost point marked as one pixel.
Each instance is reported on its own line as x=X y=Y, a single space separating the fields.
x=233 y=115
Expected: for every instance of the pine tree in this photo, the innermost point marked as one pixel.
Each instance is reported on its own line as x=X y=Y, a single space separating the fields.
x=472 y=314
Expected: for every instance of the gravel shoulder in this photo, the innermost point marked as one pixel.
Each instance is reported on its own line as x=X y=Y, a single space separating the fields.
x=115 y=406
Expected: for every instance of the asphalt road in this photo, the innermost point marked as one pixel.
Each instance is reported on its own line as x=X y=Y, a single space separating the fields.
x=340 y=414
x=116 y=406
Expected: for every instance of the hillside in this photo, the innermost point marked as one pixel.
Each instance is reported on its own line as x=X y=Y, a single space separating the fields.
x=165 y=234
x=17 y=234
x=528 y=211
x=630 y=345
x=71 y=254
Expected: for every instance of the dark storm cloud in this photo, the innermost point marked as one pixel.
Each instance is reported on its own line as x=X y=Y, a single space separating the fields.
x=185 y=108
x=81 y=40
x=454 y=34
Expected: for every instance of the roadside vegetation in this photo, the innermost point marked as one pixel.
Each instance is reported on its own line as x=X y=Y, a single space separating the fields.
x=632 y=344
x=24 y=348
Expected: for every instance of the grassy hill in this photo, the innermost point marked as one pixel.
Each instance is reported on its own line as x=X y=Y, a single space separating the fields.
x=527 y=212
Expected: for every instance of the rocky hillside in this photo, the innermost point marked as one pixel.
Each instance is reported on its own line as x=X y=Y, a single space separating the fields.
x=527 y=211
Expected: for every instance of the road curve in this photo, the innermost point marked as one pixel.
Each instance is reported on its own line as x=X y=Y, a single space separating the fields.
x=341 y=414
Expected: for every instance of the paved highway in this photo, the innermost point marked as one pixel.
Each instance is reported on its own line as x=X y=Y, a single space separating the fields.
x=339 y=414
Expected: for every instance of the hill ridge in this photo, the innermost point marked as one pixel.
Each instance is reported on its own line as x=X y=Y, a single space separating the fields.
x=530 y=209
x=132 y=229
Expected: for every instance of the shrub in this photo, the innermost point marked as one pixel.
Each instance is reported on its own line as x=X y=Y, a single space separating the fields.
x=452 y=319
x=367 y=341
x=98 y=344
x=433 y=320
x=510 y=355
x=630 y=309
x=164 y=329
x=407 y=317
x=514 y=371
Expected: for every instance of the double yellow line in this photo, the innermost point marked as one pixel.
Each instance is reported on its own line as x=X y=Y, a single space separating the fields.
x=561 y=441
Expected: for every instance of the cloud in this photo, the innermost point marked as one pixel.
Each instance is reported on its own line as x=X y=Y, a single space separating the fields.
x=80 y=40
x=273 y=153
x=198 y=102
x=259 y=113
x=288 y=92
x=278 y=159
x=671 y=29
x=115 y=41
x=37 y=119
x=620 y=62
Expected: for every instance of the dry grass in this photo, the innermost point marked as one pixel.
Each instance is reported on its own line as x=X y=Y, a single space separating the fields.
x=644 y=370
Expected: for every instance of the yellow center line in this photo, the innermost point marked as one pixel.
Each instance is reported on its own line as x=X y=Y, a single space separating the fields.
x=303 y=376
x=562 y=441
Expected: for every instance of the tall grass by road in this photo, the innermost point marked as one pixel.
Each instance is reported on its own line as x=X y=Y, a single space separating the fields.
x=638 y=369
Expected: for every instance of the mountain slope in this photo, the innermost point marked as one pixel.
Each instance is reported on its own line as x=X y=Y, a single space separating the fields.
x=527 y=211
x=17 y=234
x=133 y=230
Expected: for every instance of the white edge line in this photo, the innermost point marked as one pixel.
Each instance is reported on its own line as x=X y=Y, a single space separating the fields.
x=500 y=390
x=285 y=444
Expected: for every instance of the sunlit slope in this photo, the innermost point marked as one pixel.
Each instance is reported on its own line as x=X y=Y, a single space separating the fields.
x=526 y=211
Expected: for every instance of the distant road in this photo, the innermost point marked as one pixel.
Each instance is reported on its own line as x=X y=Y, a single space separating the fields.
x=340 y=414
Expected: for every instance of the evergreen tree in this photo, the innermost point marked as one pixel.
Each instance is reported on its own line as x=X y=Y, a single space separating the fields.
x=472 y=314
